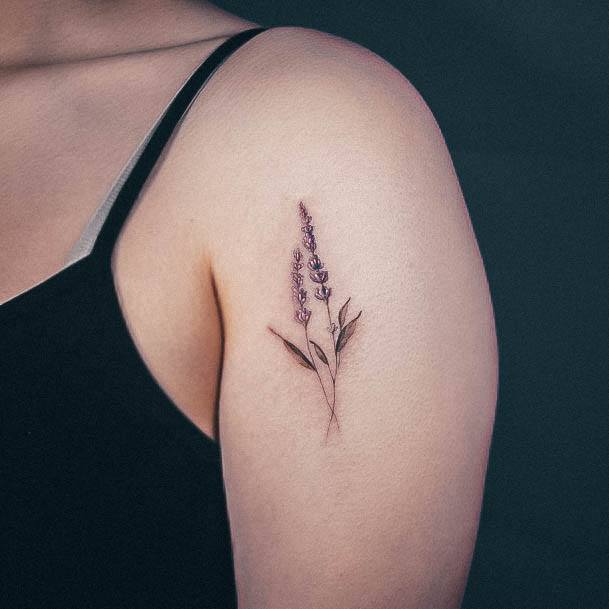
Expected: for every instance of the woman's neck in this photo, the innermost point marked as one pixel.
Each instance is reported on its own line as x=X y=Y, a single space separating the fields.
x=40 y=32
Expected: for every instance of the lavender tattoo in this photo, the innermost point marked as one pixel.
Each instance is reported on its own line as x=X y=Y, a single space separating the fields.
x=319 y=276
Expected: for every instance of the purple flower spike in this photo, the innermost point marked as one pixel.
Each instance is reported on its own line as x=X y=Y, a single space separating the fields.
x=307 y=228
x=315 y=265
x=323 y=292
x=319 y=276
x=301 y=314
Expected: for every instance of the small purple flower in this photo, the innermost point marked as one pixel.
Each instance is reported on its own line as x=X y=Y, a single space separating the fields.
x=323 y=292
x=319 y=276
x=309 y=242
x=302 y=315
x=301 y=296
x=315 y=264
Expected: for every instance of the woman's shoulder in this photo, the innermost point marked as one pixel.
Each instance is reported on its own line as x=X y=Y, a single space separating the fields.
x=296 y=108
x=305 y=69
x=302 y=96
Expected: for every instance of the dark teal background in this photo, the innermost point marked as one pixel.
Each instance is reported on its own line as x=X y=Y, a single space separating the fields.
x=520 y=92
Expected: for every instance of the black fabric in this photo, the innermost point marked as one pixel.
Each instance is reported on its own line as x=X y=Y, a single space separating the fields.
x=111 y=497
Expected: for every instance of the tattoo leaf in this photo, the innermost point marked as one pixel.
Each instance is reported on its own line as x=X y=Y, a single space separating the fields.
x=293 y=350
x=320 y=352
x=346 y=333
x=342 y=314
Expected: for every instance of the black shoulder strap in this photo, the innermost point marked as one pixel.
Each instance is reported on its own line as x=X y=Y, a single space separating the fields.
x=142 y=167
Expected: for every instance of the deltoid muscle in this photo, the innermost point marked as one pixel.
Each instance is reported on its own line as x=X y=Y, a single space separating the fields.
x=339 y=334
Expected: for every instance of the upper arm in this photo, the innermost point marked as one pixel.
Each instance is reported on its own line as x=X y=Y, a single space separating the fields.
x=383 y=512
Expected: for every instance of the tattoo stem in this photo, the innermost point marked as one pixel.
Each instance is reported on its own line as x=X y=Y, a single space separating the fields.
x=330 y=406
x=332 y=331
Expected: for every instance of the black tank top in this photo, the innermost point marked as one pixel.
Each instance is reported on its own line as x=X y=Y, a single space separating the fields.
x=111 y=496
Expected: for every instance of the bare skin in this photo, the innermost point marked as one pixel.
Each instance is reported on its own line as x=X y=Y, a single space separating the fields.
x=385 y=513
x=72 y=110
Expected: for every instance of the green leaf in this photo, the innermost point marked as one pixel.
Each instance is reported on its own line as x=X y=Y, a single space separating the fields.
x=295 y=352
x=342 y=314
x=320 y=352
x=346 y=333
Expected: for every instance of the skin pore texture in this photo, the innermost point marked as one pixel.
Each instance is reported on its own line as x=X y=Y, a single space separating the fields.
x=384 y=513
